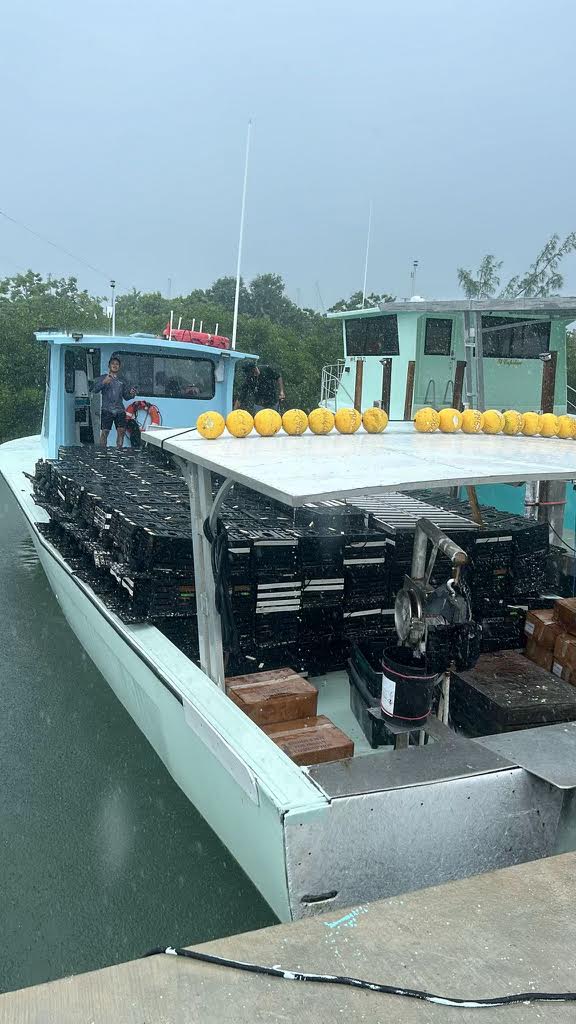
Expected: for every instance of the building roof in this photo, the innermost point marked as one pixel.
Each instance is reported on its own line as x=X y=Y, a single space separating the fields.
x=562 y=307
x=565 y=306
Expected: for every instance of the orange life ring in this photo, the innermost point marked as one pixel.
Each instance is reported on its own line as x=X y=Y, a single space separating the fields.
x=152 y=413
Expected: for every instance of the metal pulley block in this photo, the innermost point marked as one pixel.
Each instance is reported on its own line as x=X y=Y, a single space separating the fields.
x=436 y=621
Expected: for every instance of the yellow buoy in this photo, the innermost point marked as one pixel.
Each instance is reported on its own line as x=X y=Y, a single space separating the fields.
x=566 y=426
x=321 y=421
x=374 y=420
x=512 y=421
x=426 y=420
x=531 y=423
x=493 y=421
x=450 y=421
x=239 y=423
x=295 y=421
x=472 y=421
x=548 y=425
x=347 y=421
x=210 y=424
x=267 y=422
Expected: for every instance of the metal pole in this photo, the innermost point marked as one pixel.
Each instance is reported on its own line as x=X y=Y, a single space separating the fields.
x=408 y=400
x=113 y=289
x=171 y=324
x=479 y=361
x=469 y=353
x=458 y=384
x=367 y=254
x=386 y=384
x=209 y=627
x=358 y=384
x=240 y=239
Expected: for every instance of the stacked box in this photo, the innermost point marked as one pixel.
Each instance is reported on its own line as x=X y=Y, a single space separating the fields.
x=504 y=692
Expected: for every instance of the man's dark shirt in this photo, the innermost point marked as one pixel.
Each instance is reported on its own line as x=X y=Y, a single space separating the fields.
x=112 y=393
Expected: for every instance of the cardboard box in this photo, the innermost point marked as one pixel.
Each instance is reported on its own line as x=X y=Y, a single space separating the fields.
x=542 y=627
x=565 y=613
x=541 y=656
x=311 y=740
x=563 y=671
x=564 y=660
x=565 y=650
x=277 y=696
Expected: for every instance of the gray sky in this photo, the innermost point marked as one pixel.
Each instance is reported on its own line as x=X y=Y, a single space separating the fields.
x=124 y=125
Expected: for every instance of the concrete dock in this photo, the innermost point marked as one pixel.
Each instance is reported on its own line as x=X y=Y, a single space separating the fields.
x=508 y=931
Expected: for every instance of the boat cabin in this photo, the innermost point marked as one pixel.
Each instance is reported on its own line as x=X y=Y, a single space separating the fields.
x=177 y=378
x=482 y=354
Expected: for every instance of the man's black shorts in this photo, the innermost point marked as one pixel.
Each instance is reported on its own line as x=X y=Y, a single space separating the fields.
x=108 y=418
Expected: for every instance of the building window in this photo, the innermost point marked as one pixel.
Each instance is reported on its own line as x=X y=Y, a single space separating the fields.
x=372 y=336
x=505 y=337
x=438 y=337
x=160 y=376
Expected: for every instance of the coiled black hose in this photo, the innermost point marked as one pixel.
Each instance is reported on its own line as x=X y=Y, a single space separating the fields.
x=222 y=591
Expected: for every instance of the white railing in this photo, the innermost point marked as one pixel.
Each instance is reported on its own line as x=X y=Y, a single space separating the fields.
x=570 y=398
x=331 y=383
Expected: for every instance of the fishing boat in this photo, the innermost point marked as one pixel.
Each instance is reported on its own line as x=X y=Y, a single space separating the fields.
x=354 y=796
x=485 y=354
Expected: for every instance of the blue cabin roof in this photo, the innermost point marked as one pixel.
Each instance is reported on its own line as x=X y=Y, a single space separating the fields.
x=139 y=342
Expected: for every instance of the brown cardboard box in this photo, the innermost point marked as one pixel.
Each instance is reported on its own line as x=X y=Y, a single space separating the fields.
x=539 y=655
x=563 y=671
x=277 y=696
x=565 y=650
x=542 y=628
x=564 y=661
x=565 y=613
x=311 y=740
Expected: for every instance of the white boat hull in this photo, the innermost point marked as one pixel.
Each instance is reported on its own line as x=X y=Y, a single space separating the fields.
x=302 y=844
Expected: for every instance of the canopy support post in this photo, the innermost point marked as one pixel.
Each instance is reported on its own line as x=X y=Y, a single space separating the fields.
x=199 y=483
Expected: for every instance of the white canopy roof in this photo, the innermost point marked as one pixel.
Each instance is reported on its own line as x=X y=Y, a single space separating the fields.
x=296 y=470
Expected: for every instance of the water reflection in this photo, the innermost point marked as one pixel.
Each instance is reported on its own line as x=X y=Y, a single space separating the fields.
x=102 y=856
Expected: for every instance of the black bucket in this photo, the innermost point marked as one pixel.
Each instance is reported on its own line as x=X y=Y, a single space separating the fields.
x=407 y=686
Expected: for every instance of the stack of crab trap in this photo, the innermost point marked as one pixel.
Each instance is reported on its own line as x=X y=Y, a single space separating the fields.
x=304 y=586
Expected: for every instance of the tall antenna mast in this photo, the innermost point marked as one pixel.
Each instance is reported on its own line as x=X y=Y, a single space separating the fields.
x=367 y=253
x=413 y=278
x=113 y=291
x=240 y=238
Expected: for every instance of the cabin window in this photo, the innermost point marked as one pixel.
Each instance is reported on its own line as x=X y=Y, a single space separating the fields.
x=74 y=359
x=438 y=337
x=160 y=376
x=372 y=336
x=505 y=337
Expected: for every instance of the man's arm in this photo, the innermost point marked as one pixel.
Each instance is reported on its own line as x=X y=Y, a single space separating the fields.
x=100 y=382
x=128 y=391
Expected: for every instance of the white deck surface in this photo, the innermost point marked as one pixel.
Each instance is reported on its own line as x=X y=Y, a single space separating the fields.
x=296 y=470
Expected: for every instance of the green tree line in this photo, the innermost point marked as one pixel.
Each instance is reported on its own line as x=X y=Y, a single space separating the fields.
x=297 y=341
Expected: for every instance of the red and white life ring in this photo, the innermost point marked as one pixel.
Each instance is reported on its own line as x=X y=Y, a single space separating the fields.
x=151 y=413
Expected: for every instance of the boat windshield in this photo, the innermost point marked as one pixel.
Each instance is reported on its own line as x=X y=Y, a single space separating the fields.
x=162 y=376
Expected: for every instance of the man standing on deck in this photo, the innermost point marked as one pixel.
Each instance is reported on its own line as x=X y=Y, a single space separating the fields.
x=115 y=391
x=261 y=388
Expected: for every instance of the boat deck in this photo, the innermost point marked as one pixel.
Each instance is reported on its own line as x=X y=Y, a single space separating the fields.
x=507 y=931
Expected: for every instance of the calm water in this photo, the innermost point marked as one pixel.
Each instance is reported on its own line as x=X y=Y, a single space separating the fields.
x=101 y=855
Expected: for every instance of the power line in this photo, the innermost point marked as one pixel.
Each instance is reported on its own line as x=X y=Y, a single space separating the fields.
x=54 y=245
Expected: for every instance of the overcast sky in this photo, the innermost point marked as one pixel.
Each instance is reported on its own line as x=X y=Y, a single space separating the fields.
x=124 y=124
